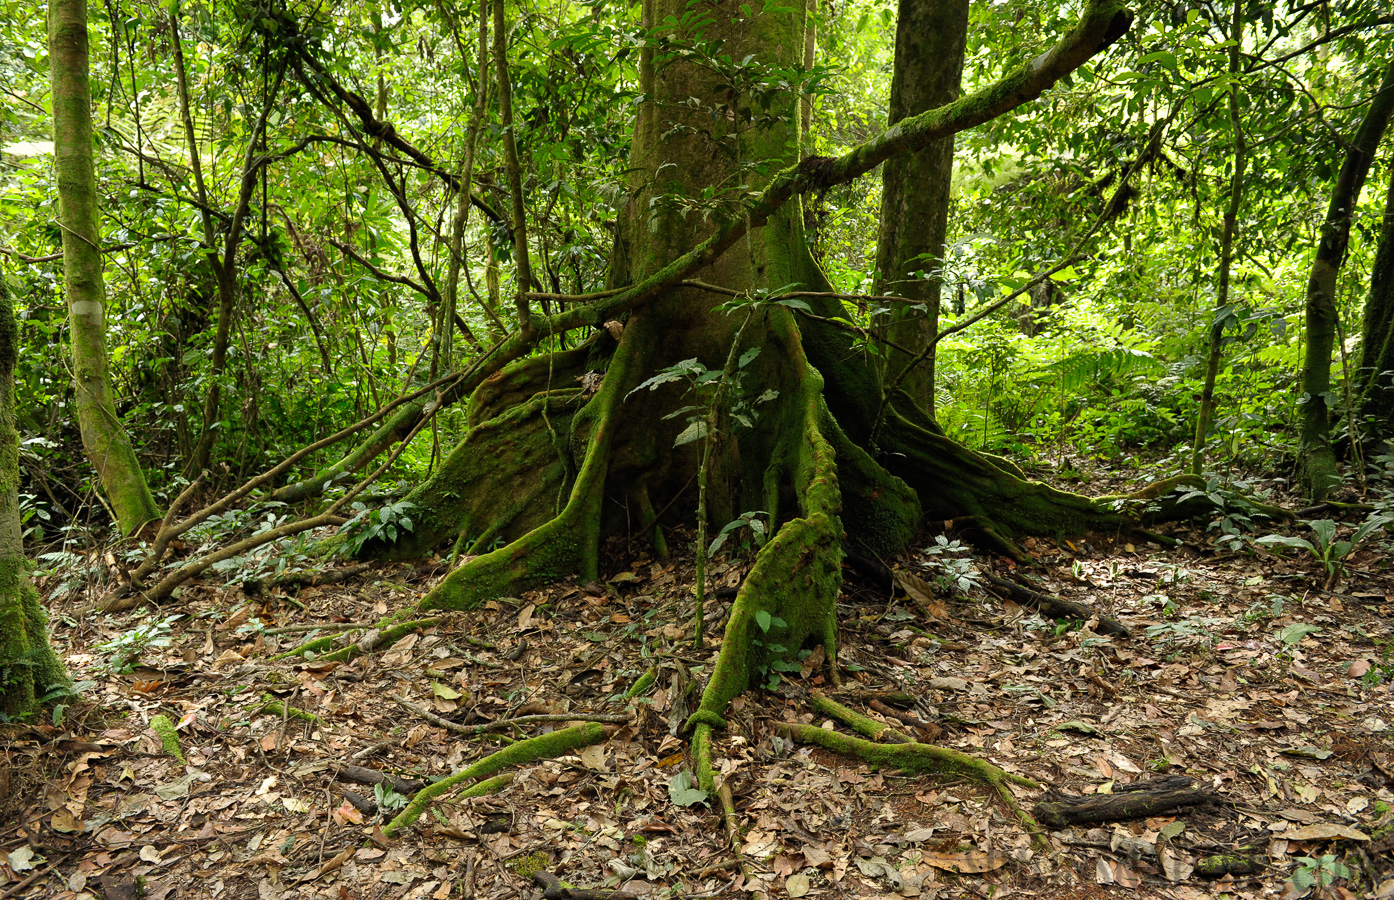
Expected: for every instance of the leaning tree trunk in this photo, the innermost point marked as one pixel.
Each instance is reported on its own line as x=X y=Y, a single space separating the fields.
x=930 y=40
x=29 y=669
x=103 y=437
x=1316 y=460
x=1376 y=372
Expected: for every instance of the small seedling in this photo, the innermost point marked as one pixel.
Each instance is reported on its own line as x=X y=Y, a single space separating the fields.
x=1330 y=552
x=126 y=649
x=1317 y=872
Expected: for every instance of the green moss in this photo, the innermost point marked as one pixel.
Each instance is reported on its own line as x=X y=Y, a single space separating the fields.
x=643 y=684
x=547 y=746
x=877 y=731
x=277 y=708
x=476 y=485
x=169 y=738
x=530 y=865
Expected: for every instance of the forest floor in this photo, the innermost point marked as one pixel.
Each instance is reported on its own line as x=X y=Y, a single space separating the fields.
x=1241 y=672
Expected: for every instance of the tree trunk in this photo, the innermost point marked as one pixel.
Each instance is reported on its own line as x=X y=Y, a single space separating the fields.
x=1376 y=372
x=800 y=442
x=1215 y=344
x=103 y=437
x=930 y=41
x=29 y=669
x=1316 y=461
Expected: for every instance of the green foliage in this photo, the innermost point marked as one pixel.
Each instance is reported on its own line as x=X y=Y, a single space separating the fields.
x=1324 y=546
x=387 y=798
x=124 y=651
x=377 y=523
x=1317 y=871
x=952 y=565
x=683 y=790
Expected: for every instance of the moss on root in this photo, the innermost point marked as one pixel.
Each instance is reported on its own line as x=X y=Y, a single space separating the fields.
x=169 y=738
x=547 y=746
x=920 y=758
x=475 y=487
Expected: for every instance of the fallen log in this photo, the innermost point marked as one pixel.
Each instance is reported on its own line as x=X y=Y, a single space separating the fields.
x=1131 y=801
x=1057 y=607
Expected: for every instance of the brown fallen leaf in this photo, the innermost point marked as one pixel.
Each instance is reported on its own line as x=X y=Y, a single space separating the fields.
x=969 y=862
x=1326 y=831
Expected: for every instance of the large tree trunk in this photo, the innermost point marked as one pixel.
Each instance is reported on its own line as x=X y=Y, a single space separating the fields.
x=930 y=41
x=1316 y=461
x=1376 y=373
x=103 y=437
x=807 y=441
x=29 y=669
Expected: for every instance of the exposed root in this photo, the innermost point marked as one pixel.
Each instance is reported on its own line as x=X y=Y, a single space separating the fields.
x=877 y=731
x=916 y=757
x=379 y=637
x=547 y=746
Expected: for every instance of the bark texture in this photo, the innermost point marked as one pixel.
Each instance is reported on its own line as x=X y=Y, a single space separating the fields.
x=930 y=41
x=28 y=666
x=1316 y=460
x=103 y=438
x=1376 y=371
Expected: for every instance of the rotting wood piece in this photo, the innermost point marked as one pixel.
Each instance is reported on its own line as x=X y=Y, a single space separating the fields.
x=1222 y=864
x=553 y=888
x=364 y=775
x=1131 y=801
x=1058 y=608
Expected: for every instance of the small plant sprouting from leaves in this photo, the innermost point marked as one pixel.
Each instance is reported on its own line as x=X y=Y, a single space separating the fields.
x=126 y=649
x=1329 y=551
x=751 y=520
x=1318 y=872
x=953 y=568
x=387 y=798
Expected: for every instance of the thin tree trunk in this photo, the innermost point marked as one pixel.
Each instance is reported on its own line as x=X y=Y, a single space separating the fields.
x=1215 y=346
x=514 y=171
x=103 y=437
x=462 y=204
x=931 y=37
x=1376 y=372
x=225 y=275
x=1316 y=461
x=27 y=661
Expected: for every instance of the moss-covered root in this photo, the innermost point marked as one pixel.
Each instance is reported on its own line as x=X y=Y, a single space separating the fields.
x=568 y=544
x=169 y=738
x=546 y=746
x=917 y=757
x=277 y=708
x=877 y=731
x=377 y=638
x=643 y=684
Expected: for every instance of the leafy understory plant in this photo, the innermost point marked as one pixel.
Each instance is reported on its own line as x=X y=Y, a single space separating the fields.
x=1317 y=872
x=952 y=567
x=384 y=522
x=126 y=649
x=1329 y=551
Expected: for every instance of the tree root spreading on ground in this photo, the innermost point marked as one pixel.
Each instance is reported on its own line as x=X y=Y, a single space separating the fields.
x=547 y=746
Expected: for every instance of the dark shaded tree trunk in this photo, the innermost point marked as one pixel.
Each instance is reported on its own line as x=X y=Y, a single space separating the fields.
x=930 y=41
x=1376 y=373
x=1316 y=460
x=29 y=669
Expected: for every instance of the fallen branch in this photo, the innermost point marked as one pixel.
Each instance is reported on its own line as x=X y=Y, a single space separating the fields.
x=1133 y=801
x=553 y=888
x=546 y=746
x=363 y=775
x=507 y=724
x=1058 y=608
